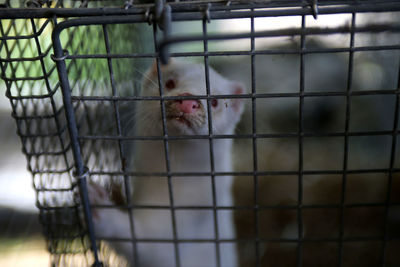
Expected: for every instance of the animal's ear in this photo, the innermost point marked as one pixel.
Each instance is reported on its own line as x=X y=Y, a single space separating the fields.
x=238 y=103
x=153 y=68
x=149 y=76
x=170 y=61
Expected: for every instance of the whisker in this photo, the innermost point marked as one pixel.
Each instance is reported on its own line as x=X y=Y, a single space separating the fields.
x=147 y=77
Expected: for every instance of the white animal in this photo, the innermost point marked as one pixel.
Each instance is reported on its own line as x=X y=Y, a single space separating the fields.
x=183 y=118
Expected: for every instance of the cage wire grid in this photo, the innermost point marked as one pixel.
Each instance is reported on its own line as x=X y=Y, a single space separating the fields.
x=58 y=101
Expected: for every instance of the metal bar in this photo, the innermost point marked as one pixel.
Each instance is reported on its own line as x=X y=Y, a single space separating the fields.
x=261 y=95
x=390 y=174
x=24 y=59
x=261 y=207
x=127 y=181
x=13 y=107
x=211 y=145
x=5 y=36
x=254 y=148
x=45 y=189
x=263 y=240
x=242 y=173
x=226 y=12
x=234 y=136
x=300 y=147
x=37 y=78
x=166 y=152
x=38 y=117
x=271 y=51
x=346 y=140
x=163 y=46
x=36 y=135
x=8 y=89
x=49 y=153
x=50 y=91
x=80 y=171
x=247 y=173
x=44 y=96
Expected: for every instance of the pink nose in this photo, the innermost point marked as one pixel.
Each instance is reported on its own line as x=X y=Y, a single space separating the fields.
x=187 y=105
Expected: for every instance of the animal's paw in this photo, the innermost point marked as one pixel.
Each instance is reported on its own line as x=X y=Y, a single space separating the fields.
x=98 y=195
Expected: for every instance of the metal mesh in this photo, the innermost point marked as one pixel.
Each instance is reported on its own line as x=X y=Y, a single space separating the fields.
x=316 y=152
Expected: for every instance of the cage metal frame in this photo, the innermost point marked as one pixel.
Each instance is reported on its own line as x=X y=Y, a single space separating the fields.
x=181 y=12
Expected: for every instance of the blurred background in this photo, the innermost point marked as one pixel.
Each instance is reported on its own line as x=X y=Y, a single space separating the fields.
x=21 y=239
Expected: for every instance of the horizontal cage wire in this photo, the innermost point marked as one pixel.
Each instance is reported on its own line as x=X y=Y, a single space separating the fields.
x=209 y=133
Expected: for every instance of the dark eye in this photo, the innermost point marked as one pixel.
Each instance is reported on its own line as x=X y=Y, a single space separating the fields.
x=214 y=102
x=170 y=84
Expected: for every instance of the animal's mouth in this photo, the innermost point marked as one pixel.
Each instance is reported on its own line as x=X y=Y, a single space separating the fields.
x=180 y=118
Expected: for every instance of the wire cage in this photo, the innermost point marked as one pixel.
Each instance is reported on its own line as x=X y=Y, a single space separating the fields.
x=314 y=178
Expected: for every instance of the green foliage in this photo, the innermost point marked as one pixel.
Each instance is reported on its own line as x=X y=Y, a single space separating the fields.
x=31 y=57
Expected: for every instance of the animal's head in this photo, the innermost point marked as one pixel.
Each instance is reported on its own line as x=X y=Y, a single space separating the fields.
x=190 y=115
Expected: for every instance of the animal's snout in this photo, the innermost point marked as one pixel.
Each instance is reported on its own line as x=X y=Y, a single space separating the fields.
x=187 y=105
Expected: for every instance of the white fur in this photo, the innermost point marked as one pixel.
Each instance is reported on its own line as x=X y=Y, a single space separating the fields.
x=191 y=155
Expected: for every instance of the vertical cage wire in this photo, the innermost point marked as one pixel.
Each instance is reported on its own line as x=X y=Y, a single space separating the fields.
x=254 y=147
x=211 y=147
x=346 y=140
x=167 y=159
x=122 y=155
x=301 y=123
x=391 y=174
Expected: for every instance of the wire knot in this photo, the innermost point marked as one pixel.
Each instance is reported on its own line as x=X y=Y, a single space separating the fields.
x=128 y=4
x=37 y=3
x=314 y=8
x=207 y=15
x=66 y=54
x=85 y=174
